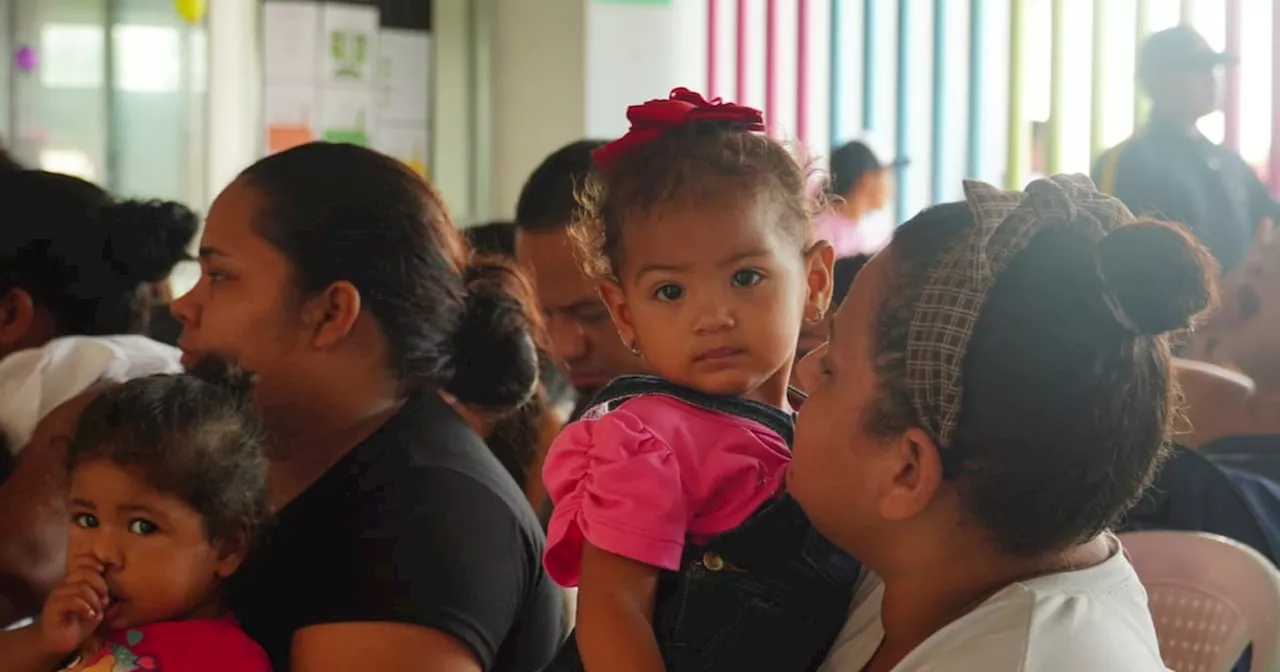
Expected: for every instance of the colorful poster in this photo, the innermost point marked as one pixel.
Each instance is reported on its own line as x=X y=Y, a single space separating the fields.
x=333 y=73
x=290 y=114
x=347 y=115
x=349 y=34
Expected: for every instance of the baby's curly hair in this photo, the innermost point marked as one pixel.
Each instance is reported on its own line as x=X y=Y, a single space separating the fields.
x=700 y=161
x=194 y=436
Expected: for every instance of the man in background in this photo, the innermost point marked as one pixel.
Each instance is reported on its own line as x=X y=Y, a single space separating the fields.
x=1170 y=170
x=583 y=338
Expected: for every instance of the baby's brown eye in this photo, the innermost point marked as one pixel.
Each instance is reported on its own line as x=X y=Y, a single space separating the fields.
x=747 y=278
x=143 y=527
x=669 y=292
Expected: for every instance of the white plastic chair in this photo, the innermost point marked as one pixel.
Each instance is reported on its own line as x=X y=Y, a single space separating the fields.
x=1209 y=597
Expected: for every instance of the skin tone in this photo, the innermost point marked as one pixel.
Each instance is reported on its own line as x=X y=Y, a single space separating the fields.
x=33 y=528
x=719 y=313
x=1239 y=337
x=134 y=556
x=813 y=333
x=884 y=500
x=582 y=336
x=324 y=385
x=1185 y=95
x=869 y=194
x=23 y=322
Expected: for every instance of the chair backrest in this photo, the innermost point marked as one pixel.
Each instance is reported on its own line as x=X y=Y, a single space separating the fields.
x=1209 y=597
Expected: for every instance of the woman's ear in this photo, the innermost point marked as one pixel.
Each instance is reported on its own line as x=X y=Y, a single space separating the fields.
x=17 y=314
x=819 y=260
x=231 y=553
x=916 y=477
x=332 y=313
x=614 y=299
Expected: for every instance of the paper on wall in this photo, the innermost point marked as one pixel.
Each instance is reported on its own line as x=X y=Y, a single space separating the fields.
x=291 y=32
x=349 y=48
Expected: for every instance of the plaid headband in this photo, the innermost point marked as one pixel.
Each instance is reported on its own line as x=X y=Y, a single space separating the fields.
x=957 y=287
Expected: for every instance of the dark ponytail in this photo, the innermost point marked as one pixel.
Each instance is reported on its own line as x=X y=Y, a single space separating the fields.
x=496 y=358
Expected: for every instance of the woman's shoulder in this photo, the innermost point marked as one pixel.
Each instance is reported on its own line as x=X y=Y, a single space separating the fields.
x=1034 y=625
x=426 y=446
x=1038 y=625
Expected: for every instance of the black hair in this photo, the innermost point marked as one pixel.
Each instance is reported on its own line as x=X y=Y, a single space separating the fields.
x=701 y=160
x=514 y=438
x=194 y=436
x=453 y=320
x=847 y=166
x=86 y=258
x=495 y=238
x=1065 y=412
x=8 y=163
x=843 y=273
x=549 y=198
x=7 y=462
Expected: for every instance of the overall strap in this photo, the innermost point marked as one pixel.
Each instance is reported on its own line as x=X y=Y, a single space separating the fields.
x=623 y=388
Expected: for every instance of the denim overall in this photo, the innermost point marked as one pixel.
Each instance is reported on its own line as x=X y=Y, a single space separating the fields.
x=768 y=595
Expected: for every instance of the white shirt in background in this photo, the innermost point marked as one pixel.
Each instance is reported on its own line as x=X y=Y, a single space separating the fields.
x=34 y=382
x=1093 y=620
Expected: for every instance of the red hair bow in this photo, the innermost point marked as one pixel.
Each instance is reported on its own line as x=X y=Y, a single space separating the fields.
x=681 y=108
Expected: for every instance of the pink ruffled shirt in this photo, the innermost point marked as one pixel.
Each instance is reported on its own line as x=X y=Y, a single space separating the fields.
x=639 y=480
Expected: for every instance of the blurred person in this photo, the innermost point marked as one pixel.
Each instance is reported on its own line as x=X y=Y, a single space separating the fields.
x=7 y=161
x=77 y=270
x=859 y=184
x=496 y=238
x=1170 y=170
x=77 y=261
x=1231 y=368
x=582 y=337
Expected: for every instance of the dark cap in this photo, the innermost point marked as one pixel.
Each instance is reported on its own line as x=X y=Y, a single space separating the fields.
x=1178 y=48
x=850 y=162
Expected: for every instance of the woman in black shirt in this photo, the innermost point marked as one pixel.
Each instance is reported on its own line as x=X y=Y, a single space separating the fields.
x=335 y=274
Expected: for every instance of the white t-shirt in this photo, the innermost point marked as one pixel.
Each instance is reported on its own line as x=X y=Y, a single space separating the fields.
x=33 y=382
x=1093 y=619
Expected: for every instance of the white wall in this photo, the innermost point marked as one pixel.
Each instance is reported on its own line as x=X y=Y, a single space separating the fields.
x=235 y=90
x=538 y=94
x=638 y=52
x=562 y=70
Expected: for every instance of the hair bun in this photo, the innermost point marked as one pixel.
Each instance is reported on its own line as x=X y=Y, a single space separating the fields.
x=146 y=239
x=1162 y=277
x=496 y=360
